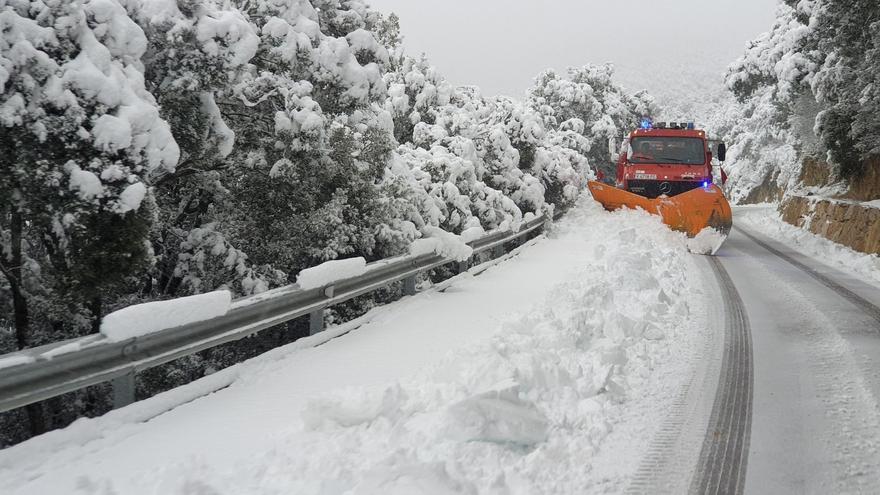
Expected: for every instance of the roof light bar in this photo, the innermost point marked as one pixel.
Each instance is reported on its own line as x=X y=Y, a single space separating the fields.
x=647 y=124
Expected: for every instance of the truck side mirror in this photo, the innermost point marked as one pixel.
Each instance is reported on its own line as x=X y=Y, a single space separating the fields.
x=722 y=152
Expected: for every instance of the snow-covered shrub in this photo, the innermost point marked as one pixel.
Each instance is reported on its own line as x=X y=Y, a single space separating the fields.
x=589 y=109
x=846 y=84
x=453 y=194
x=312 y=138
x=80 y=135
x=414 y=89
x=536 y=153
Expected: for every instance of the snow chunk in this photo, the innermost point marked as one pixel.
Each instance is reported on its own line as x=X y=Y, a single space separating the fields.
x=498 y=416
x=144 y=319
x=86 y=184
x=224 y=135
x=707 y=241
x=473 y=232
x=353 y=407
x=111 y=133
x=131 y=197
x=331 y=271
x=113 y=173
x=228 y=32
x=362 y=40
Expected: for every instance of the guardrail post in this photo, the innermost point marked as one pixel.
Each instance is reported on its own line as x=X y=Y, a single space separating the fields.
x=462 y=266
x=498 y=251
x=316 y=322
x=123 y=390
x=409 y=285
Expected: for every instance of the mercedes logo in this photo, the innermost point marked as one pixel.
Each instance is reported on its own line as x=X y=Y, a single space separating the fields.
x=665 y=187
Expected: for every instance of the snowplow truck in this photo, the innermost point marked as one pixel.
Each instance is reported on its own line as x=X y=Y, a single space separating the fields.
x=666 y=169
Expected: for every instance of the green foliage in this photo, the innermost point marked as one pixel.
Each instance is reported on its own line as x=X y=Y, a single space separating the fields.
x=835 y=128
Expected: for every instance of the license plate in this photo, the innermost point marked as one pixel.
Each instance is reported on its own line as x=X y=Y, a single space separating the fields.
x=646 y=176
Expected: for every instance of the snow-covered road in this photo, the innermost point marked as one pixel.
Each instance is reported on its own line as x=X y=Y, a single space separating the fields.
x=603 y=358
x=815 y=425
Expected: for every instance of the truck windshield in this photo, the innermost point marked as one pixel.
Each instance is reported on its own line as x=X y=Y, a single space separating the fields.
x=689 y=151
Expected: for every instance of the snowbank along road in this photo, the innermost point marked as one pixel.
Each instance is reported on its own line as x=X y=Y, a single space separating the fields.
x=542 y=374
x=603 y=358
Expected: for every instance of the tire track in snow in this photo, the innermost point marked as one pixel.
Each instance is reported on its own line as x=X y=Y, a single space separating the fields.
x=860 y=302
x=723 y=457
x=668 y=465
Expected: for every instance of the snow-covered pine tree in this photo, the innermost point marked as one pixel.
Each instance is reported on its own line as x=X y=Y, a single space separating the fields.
x=767 y=82
x=198 y=50
x=846 y=48
x=80 y=134
x=805 y=89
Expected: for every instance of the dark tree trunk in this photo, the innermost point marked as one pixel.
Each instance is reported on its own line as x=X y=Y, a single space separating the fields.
x=35 y=413
x=95 y=307
x=19 y=302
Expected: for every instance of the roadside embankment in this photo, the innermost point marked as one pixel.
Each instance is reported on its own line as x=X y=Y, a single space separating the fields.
x=853 y=224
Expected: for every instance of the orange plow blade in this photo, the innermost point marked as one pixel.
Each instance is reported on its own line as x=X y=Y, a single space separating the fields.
x=689 y=212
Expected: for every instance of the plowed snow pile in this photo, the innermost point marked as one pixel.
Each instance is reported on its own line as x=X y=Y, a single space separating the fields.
x=548 y=373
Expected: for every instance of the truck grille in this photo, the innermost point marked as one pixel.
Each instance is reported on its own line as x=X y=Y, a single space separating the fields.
x=654 y=188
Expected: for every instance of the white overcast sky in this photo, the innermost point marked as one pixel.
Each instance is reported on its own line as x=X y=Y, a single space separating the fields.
x=659 y=45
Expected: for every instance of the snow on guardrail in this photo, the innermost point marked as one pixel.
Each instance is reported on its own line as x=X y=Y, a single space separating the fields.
x=442 y=243
x=15 y=360
x=151 y=317
x=144 y=336
x=331 y=271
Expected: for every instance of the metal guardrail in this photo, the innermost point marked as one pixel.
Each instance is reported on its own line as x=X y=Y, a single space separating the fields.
x=94 y=359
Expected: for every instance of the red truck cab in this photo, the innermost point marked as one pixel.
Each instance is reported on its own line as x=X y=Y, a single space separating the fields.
x=666 y=159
